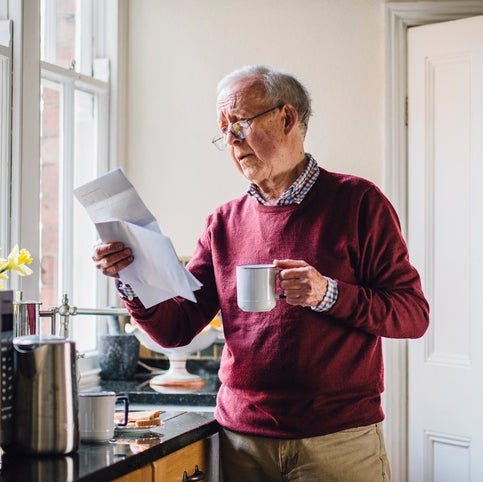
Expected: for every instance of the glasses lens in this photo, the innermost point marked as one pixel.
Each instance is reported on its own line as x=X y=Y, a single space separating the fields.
x=240 y=129
x=219 y=142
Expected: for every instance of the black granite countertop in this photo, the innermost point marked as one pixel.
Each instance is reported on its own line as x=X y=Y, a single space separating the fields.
x=140 y=391
x=104 y=462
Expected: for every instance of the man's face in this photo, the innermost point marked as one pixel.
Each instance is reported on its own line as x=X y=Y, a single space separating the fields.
x=260 y=157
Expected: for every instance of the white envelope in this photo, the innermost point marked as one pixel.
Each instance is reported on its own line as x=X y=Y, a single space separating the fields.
x=119 y=214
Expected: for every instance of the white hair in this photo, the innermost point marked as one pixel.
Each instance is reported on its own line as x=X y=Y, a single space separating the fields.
x=280 y=88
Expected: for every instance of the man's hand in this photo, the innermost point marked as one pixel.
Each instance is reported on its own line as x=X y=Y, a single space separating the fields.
x=302 y=284
x=110 y=258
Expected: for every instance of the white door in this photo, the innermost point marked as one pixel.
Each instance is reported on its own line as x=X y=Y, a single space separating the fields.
x=445 y=236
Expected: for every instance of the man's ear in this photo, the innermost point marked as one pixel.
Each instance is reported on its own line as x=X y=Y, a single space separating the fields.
x=290 y=118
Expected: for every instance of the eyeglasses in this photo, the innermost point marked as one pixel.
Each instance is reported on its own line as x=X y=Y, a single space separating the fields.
x=240 y=129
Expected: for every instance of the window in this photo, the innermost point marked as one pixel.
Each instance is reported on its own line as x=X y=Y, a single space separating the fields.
x=58 y=72
x=74 y=135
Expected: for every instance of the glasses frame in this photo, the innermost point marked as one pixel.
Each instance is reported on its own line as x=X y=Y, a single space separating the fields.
x=241 y=126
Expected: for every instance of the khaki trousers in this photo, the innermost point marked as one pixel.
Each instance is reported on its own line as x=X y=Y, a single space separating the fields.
x=354 y=455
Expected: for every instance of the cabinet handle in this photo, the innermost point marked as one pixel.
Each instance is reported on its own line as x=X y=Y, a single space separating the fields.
x=197 y=475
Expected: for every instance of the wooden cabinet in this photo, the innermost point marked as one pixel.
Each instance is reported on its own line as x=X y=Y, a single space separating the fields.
x=196 y=460
x=172 y=467
x=144 y=474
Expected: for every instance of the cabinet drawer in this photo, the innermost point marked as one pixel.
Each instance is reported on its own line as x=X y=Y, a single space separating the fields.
x=144 y=474
x=172 y=467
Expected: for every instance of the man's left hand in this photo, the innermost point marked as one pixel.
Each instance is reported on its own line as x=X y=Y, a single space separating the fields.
x=302 y=284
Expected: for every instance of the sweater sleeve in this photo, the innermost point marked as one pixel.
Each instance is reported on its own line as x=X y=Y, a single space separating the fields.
x=387 y=299
x=176 y=321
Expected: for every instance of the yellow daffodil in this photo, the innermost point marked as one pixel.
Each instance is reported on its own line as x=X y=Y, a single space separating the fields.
x=24 y=257
x=16 y=261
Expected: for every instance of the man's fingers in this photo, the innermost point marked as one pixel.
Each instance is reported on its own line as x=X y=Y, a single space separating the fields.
x=291 y=268
x=114 y=268
x=110 y=258
x=289 y=263
x=301 y=274
x=302 y=284
x=106 y=249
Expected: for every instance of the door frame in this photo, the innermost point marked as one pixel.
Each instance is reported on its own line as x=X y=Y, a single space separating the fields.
x=399 y=16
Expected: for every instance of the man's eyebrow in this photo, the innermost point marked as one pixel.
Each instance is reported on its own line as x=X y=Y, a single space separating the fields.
x=236 y=116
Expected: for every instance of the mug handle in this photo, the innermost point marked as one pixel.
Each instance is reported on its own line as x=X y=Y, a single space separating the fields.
x=124 y=399
x=280 y=296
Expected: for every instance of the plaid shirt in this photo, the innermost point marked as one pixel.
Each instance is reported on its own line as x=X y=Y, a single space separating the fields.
x=295 y=194
x=297 y=191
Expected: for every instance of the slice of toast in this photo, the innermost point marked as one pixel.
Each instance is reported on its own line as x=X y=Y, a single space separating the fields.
x=147 y=423
x=146 y=418
x=144 y=415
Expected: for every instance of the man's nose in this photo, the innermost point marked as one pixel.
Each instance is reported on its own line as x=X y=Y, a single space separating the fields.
x=231 y=138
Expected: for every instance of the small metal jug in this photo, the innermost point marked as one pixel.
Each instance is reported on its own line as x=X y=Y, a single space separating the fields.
x=46 y=411
x=26 y=318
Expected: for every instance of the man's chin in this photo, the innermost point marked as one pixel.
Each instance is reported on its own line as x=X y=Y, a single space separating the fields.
x=250 y=174
x=251 y=170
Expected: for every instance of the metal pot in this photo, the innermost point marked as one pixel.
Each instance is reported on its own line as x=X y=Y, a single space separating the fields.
x=45 y=413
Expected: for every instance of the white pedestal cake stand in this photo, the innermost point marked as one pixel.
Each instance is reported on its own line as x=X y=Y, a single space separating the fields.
x=177 y=374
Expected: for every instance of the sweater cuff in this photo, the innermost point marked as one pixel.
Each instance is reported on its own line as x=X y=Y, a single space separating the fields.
x=125 y=291
x=330 y=297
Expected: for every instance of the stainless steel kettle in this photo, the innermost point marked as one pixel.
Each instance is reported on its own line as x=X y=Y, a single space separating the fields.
x=45 y=409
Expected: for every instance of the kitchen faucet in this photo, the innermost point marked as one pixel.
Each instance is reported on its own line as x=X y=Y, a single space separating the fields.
x=65 y=311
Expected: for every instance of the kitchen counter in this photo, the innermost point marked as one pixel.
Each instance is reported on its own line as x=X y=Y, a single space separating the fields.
x=124 y=454
x=140 y=391
x=187 y=417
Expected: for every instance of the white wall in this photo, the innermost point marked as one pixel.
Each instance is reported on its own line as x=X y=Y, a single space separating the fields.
x=179 y=49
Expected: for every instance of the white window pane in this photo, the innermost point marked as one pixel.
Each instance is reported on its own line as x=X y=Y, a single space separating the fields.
x=60 y=27
x=50 y=165
x=84 y=236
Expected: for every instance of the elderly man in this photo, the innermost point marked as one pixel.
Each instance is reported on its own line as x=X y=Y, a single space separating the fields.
x=300 y=395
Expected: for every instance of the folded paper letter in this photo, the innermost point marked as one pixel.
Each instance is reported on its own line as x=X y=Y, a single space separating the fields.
x=119 y=214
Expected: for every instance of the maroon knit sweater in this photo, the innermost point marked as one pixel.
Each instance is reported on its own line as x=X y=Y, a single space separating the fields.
x=293 y=372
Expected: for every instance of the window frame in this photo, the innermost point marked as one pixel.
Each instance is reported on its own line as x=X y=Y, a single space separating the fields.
x=70 y=82
x=5 y=127
x=21 y=223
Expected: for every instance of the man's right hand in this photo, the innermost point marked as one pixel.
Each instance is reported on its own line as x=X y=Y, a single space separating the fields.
x=110 y=258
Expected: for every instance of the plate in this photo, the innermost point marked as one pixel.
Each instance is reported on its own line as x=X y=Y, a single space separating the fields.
x=133 y=431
